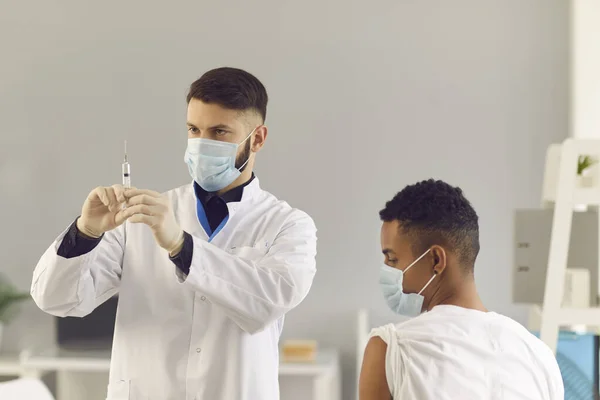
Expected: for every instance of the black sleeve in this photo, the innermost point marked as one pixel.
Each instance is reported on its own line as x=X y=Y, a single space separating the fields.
x=183 y=260
x=75 y=244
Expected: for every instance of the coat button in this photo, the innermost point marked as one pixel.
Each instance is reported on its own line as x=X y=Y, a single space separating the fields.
x=198 y=350
x=203 y=298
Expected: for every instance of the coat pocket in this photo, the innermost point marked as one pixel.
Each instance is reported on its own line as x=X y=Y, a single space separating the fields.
x=119 y=390
x=253 y=254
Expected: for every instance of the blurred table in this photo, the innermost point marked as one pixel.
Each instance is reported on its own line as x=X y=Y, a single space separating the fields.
x=79 y=373
x=324 y=371
x=10 y=365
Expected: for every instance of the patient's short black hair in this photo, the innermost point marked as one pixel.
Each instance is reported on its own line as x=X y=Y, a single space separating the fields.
x=433 y=212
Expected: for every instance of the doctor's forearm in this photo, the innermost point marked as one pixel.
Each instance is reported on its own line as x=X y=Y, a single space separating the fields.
x=76 y=244
x=252 y=295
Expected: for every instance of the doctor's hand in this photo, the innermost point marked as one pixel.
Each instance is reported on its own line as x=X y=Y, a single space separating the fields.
x=100 y=211
x=153 y=209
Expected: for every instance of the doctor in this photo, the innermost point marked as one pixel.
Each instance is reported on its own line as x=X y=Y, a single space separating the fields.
x=205 y=273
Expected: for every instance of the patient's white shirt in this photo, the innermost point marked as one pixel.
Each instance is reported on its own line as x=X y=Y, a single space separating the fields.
x=456 y=353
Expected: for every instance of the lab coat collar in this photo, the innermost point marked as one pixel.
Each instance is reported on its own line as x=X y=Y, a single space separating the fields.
x=251 y=190
x=233 y=195
x=193 y=226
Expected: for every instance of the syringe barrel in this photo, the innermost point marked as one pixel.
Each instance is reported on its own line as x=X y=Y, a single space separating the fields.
x=126 y=169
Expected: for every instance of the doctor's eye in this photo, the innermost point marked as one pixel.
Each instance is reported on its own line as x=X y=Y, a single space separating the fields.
x=193 y=129
x=220 y=132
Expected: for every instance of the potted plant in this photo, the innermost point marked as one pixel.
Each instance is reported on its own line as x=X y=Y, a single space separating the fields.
x=9 y=297
x=584 y=177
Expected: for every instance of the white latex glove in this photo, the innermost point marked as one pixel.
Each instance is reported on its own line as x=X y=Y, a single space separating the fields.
x=101 y=211
x=153 y=209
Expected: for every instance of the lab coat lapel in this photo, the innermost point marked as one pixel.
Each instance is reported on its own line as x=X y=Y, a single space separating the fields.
x=248 y=195
x=186 y=209
x=187 y=213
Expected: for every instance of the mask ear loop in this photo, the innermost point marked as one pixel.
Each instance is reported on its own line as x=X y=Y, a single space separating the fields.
x=244 y=164
x=416 y=261
x=248 y=159
x=250 y=134
x=428 y=282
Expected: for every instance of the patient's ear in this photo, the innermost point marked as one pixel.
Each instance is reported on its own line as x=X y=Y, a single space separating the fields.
x=373 y=382
x=439 y=259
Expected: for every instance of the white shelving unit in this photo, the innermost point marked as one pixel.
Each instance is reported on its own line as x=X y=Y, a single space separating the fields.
x=563 y=192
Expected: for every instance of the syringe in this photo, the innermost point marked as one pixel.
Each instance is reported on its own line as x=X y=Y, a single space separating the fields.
x=126 y=169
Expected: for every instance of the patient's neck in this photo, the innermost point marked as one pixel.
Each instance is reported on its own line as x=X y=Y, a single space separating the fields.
x=460 y=293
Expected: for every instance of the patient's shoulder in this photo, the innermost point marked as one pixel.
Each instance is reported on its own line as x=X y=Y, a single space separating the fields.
x=385 y=333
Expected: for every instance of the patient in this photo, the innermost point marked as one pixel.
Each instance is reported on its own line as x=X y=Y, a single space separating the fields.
x=458 y=349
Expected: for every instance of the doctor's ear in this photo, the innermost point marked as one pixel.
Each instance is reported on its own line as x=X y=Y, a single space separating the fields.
x=439 y=259
x=259 y=138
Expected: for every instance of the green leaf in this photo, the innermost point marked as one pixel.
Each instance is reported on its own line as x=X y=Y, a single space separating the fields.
x=9 y=297
x=584 y=162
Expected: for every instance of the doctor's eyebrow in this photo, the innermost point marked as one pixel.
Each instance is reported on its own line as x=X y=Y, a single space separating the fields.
x=222 y=127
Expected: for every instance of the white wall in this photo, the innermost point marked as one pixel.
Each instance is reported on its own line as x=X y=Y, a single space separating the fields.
x=585 y=64
x=366 y=97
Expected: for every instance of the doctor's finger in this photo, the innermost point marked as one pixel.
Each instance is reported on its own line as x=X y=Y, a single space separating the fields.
x=119 y=192
x=144 y=219
x=129 y=193
x=143 y=199
x=120 y=217
x=113 y=204
x=142 y=209
x=100 y=194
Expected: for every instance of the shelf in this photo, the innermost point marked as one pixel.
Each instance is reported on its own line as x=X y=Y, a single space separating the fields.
x=326 y=360
x=56 y=359
x=579 y=316
x=584 y=146
x=587 y=196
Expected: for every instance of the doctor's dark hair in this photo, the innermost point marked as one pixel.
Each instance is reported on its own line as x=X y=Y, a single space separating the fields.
x=231 y=88
x=432 y=212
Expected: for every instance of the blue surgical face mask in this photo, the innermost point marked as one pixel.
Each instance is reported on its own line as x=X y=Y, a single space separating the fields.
x=212 y=163
x=406 y=304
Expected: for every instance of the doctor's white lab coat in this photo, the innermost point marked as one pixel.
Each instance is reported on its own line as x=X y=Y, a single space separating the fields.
x=211 y=336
